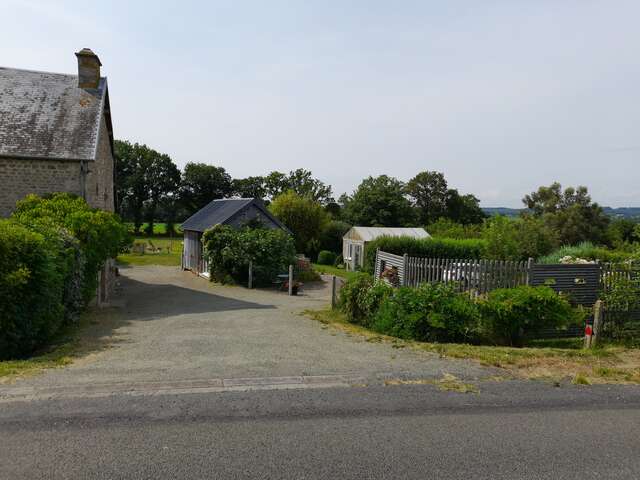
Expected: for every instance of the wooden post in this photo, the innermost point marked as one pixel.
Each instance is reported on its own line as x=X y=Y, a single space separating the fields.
x=405 y=272
x=250 y=275
x=333 y=292
x=290 y=280
x=598 y=314
x=529 y=268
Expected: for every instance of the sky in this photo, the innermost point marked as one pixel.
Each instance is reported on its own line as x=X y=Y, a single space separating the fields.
x=500 y=96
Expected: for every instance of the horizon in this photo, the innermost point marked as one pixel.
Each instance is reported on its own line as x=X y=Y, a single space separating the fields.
x=400 y=89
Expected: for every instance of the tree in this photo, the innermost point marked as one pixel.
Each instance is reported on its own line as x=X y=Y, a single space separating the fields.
x=378 y=201
x=301 y=182
x=331 y=237
x=143 y=178
x=163 y=179
x=428 y=191
x=250 y=187
x=570 y=213
x=464 y=209
x=621 y=232
x=304 y=217
x=202 y=183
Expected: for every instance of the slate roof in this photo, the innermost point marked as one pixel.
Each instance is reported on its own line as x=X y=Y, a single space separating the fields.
x=371 y=233
x=221 y=211
x=46 y=115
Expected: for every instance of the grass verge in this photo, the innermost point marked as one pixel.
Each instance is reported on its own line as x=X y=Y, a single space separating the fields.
x=69 y=345
x=330 y=270
x=551 y=360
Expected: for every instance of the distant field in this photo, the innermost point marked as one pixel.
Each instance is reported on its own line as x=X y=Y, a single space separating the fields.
x=158 y=251
x=158 y=228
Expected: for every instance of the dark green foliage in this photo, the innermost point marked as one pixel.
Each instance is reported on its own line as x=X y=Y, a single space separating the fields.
x=352 y=296
x=570 y=213
x=326 y=257
x=378 y=201
x=202 y=183
x=339 y=261
x=430 y=247
x=331 y=236
x=446 y=228
x=512 y=314
x=100 y=234
x=31 y=289
x=431 y=312
x=230 y=250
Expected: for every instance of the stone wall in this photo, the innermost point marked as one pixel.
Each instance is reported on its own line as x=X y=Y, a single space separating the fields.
x=99 y=186
x=19 y=177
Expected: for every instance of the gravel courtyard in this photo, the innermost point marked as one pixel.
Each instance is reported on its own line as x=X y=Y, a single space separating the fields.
x=169 y=328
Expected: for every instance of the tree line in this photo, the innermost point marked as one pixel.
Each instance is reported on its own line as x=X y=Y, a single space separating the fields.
x=151 y=188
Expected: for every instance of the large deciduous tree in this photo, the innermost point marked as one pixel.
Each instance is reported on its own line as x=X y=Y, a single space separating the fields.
x=250 y=187
x=428 y=191
x=202 y=183
x=304 y=217
x=378 y=201
x=570 y=213
x=144 y=178
x=300 y=181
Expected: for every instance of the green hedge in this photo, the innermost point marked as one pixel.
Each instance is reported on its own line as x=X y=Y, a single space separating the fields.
x=438 y=313
x=32 y=273
x=50 y=253
x=429 y=247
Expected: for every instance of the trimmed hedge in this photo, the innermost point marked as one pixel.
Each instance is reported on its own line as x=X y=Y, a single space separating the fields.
x=429 y=247
x=31 y=289
x=50 y=253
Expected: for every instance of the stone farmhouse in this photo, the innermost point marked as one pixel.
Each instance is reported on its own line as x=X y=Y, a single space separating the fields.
x=56 y=134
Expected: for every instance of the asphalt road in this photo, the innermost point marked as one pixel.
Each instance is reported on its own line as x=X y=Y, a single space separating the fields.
x=510 y=430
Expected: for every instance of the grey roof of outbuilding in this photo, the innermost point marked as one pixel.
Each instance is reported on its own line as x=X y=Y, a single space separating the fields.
x=46 y=115
x=221 y=211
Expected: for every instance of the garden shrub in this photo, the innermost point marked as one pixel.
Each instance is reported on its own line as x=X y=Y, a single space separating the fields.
x=586 y=251
x=31 y=289
x=325 y=257
x=352 y=296
x=510 y=315
x=431 y=312
x=230 y=250
x=101 y=235
x=428 y=247
x=339 y=261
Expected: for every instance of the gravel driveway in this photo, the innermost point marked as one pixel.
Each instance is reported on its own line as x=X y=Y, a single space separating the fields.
x=172 y=328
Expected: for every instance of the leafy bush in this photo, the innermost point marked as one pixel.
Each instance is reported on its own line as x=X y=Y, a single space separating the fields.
x=587 y=251
x=331 y=237
x=31 y=289
x=431 y=312
x=510 y=315
x=101 y=235
x=352 y=296
x=430 y=247
x=518 y=238
x=326 y=257
x=447 y=228
x=230 y=250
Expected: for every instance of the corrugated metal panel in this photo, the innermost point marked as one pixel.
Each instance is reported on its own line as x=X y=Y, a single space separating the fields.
x=580 y=282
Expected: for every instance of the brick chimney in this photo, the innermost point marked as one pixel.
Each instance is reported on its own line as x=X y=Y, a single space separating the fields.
x=88 y=69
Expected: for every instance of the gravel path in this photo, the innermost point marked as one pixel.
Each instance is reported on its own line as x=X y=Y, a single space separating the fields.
x=172 y=328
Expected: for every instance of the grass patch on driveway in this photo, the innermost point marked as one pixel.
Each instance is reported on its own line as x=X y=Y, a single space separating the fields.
x=555 y=361
x=169 y=252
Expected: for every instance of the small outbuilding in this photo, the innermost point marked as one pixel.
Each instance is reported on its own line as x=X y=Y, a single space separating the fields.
x=236 y=212
x=354 y=242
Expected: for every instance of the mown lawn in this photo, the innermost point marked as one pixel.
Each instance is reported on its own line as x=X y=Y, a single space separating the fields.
x=158 y=228
x=330 y=270
x=159 y=251
x=553 y=360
